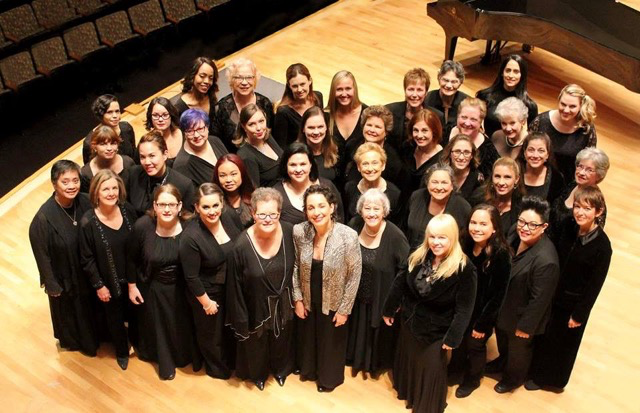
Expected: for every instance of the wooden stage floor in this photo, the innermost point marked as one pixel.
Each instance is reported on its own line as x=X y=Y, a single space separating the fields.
x=378 y=41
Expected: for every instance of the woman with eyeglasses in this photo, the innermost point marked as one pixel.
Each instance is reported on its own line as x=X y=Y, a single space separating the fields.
x=200 y=151
x=104 y=150
x=199 y=87
x=260 y=293
x=205 y=246
x=104 y=232
x=243 y=77
x=155 y=279
x=527 y=303
x=448 y=96
x=571 y=127
x=461 y=155
x=106 y=109
x=163 y=117
x=326 y=276
x=153 y=171
x=585 y=254
x=539 y=173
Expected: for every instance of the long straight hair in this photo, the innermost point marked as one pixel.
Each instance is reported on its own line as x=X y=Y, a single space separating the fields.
x=329 y=148
x=332 y=105
x=443 y=224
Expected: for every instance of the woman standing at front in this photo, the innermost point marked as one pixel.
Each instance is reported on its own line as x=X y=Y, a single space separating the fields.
x=205 y=246
x=435 y=297
x=104 y=232
x=527 y=303
x=325 y=282
x=259 y=293
x=53 y=234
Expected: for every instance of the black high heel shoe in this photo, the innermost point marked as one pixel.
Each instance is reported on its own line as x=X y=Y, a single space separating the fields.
x=259 y=384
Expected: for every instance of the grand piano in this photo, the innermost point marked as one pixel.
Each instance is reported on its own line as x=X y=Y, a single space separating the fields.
x=600 y=35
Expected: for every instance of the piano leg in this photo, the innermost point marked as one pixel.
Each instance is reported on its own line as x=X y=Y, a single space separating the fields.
x=450 y=47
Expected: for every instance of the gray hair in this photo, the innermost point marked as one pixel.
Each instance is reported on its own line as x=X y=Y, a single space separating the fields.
x=233 y=67
x=440 y=167
x=376 y=196
x=265 y=195
x=598 y=157
x=457 y=68
x=512 y=106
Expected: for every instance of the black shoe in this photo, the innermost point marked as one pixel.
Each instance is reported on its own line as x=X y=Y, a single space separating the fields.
x=259 y=384
x=296 y=371
x=465 y=390
x=123 y=362
x=323 y=389
x=169 y=377
x=531 y=385
x=281 y=380
x=495 y=366
x=502 y=387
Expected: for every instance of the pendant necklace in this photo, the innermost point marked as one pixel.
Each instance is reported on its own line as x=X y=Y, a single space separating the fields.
x=73 y=219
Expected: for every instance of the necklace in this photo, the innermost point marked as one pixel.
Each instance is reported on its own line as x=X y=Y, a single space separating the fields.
x=73 y=219
x=370 y=234
x=512 y=145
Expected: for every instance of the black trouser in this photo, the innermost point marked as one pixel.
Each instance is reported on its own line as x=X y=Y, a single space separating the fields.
x=470 y=359
x=260 y=355
x=519 y=354
x=114 y=310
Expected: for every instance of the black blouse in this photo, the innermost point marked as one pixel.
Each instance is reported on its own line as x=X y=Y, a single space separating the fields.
x=330 y=173
x=416 y=173
x=86 y=174
x=347 y=145
x=226 y=118
x=196 y=168
x=550 y=189
x=434 y=100
x=287 y=122
x=352 y=194
x=399 y=134
x=293 y=215
x=127 y=145
x=264 y=171
x=395 y=170
x=181 y=106
x=493 y=98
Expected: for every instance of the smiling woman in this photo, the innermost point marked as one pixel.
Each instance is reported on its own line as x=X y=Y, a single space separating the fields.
x=199 y=87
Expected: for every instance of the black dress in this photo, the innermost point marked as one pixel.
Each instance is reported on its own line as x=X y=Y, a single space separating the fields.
x=293 y=215
x=54 y=241
x=433 y=312
x=371 y=344
x=488 y=154
x=127 y=145
x=287 y=123
x=419 y=215
x=472 y=189
x=140 y=187
x=470 y=358
x=260 y=308
x=550 y=189
x=204 y=264
x=263 y=171
x=196 y=168
x=154 y=261
x=181 y=106
x=450 y=113
x=399 y=133
x=584 y=265
x=565 y=146
x=86 y=174
x=352 y=194
x=225 y=121
x=493 y=98
x=103 y=255
x=347 y=146
x=416 y=173
x=330 y=173
x=395 y=170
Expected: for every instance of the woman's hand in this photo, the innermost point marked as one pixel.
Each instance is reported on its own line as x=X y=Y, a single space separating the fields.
x=134 y=295
x=301 y=312
x=521 y=334
x=573 y=323
x=340 y=319
x=477 y=334
x=446 y=347
x=211 y=308
x=388 y=320
x=103 y=294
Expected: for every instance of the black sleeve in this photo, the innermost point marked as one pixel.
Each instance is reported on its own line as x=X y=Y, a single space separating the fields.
x=38 y=237
x=397 y=291
x=236 y=311
x=543 y=285
x=279 y=130
x=87 y=254
x=135 y=249
x=253 y=170
x=190 y=258
x=584 y=306
x=499 y=270
x=465 y=301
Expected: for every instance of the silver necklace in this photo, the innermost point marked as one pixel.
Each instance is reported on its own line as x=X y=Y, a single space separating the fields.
x=73 y=219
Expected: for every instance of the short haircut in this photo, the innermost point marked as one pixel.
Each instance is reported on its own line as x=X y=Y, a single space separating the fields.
x=512 y=106
x=537 y=205
x=101 y=177
x=590 y=195
x=293 y=149
x=264 y=194
x=598 y=157
x=455 y=67
x=376 y=196
x=191 y=117
x=61 y=167
x=369 y=147
x=378 y=111
x=417 y=75
x=101 y=105
x=440 y=167
x=474 y=103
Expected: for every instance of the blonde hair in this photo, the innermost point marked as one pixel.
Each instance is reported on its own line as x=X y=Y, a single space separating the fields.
x=234 y=66
x=332 y=106
x=370 y=147
x=474 y=103
x=101 y=177
x=455 y=259
x=587 y=113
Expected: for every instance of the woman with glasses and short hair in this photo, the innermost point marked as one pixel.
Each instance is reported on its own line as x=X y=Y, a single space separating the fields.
x=162 y=116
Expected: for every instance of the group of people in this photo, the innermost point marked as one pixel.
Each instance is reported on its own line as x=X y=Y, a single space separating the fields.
x=304 y=238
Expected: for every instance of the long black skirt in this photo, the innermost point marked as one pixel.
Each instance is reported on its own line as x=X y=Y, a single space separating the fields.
x=212 y=337
x=555 y=352
x=420 y=373
x=263 y=354
x=370 y=349
x=142 y=327
x=73 y=323
x=322 y=348
x=172 y=326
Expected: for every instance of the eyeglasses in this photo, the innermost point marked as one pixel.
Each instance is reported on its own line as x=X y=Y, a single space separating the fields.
x=531 y=225
x=458 y=152
x=241 y=79
x=163 y=116
x=585 y=169
x=200 y=131
x=271 y=216
x=165 y=205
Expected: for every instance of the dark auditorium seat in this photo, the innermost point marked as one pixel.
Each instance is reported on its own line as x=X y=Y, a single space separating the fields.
x=3 y=41
x=52 y=13
x=207 y=5
x=50 y=56
x=18 y=71
x=115 y=29
x=86 y=7
x=82 y=43
x=147 y=18
x=178 y=11
x=19 y=23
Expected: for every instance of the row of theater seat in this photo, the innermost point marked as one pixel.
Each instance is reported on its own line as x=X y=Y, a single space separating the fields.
x=89 y=39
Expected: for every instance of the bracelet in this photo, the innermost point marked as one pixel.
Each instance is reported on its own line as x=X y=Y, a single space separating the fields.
x=210 y=305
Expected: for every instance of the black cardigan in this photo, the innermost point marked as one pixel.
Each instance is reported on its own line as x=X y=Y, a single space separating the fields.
x=399 y=132
x=443 y=314
x=391 y=258
x=196 y=168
